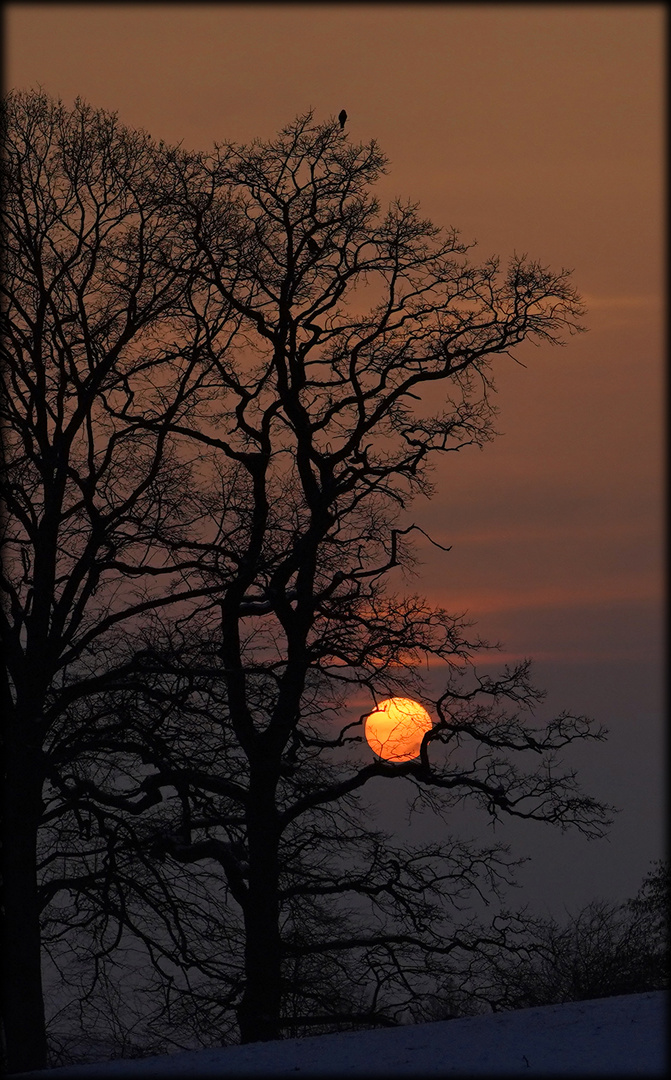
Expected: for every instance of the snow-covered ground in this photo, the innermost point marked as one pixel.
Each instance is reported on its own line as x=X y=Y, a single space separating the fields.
x=618 y=1036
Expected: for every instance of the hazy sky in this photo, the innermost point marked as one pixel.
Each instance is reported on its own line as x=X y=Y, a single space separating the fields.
x=534 y=129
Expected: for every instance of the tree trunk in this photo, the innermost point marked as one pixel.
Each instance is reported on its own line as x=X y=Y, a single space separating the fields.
x=24 y=1030
x=260 y=1009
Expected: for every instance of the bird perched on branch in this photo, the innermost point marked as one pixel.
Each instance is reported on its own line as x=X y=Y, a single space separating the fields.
x=342 y=116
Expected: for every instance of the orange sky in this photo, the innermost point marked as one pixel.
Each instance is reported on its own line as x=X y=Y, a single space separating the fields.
x=534 y=128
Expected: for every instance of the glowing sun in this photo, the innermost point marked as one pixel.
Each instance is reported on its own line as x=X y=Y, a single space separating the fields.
x=395 y=730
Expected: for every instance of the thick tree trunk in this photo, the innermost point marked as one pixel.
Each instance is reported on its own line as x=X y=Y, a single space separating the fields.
x=260 y=1009
x=24 y=1031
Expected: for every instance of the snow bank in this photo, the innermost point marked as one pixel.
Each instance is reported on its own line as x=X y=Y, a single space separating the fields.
x=618 y=1036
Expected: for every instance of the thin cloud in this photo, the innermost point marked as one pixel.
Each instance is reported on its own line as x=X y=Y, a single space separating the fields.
x=553 y=530
x=635 y=589
x=609 y=303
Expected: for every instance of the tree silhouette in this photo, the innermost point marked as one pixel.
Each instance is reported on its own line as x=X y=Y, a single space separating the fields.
x=325 y=421
x=93 y=506
x=308 y=357
x=602 y=950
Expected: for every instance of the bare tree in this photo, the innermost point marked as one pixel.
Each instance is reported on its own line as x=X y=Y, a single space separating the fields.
x=652 y=905
x=192 y=650
x=602 y=950
x=362 y=352
x=93 y=505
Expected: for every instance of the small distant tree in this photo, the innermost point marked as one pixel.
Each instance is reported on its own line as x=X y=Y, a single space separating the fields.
x=651 y=908
x=604 y=950
x=652 y=905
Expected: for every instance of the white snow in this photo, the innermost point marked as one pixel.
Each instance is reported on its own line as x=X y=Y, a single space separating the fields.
x=617 y=1036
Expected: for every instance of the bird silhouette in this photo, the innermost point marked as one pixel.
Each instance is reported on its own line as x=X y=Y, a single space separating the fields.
x=342 y=116
x=313 y=246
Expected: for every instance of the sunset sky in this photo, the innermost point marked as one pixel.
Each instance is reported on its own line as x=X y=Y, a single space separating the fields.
x=532 y=129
